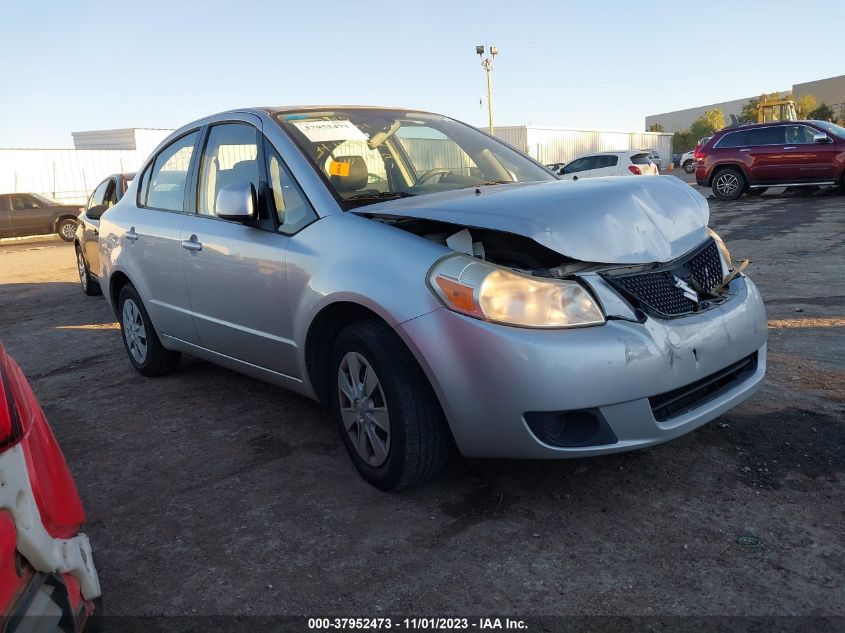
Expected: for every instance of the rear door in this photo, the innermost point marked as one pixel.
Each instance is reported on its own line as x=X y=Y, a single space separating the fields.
x=235 y=271
x=605 y=165
x=151 y=243
x=769 y=160
x=29 y=215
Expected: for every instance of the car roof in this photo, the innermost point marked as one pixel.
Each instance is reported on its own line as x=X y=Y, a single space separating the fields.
x=751 y=126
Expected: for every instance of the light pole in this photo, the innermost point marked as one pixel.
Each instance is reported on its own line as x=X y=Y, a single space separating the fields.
x=488 y=66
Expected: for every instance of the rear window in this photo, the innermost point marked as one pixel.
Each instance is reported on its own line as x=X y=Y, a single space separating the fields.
x=734 y=139
x=767 y=136
x=640 y=159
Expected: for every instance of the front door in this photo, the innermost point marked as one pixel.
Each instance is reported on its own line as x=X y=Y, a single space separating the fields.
x=808 y=160
x=30 y=216
x=5 y=223
x=235 y=271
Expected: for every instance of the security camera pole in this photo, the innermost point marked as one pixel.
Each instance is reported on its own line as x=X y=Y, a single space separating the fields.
x=488 y=66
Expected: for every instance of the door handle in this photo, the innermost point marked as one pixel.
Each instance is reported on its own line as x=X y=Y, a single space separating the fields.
x=131 y=235
x=95 y=232
x=745 y=150
x=789 y=147
x=193 y=244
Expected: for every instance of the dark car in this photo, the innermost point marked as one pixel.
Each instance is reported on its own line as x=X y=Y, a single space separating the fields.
x=106 y=195
x=35 y=214
x=751 y=158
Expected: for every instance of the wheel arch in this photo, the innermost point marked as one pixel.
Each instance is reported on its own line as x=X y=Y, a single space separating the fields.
x=117 y=281
x=63 y=216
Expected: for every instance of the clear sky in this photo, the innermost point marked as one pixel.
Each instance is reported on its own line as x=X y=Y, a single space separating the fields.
x=69 y=66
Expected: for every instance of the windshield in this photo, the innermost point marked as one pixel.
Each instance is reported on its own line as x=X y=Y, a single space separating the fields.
x=45 y=200
x=831 y=128
x=371 y=155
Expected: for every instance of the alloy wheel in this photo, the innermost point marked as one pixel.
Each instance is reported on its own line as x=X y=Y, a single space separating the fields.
x=134 y=331
x=68 y=230
x=363 y=409
x=727 y=184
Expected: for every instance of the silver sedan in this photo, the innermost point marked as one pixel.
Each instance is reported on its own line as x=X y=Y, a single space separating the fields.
x=433 y=286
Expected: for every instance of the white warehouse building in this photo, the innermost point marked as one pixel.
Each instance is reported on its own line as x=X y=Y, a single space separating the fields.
x=549 y=145
x=69 y=174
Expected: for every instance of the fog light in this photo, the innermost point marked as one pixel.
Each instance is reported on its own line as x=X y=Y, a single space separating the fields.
x=571 y=429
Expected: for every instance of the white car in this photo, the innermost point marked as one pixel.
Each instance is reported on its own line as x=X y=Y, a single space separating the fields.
x=623 y=163
x=688 y=161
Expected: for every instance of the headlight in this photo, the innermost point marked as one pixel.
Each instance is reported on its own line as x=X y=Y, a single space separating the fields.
x=493 y=293
x=727 y=264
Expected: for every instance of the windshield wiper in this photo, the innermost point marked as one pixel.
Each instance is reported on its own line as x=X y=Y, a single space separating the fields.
x=380 y=195
x=489 y=182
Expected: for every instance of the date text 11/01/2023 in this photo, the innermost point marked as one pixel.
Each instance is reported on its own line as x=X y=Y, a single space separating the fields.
x=430 y=624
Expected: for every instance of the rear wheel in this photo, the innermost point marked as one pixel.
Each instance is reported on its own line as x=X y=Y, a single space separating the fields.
x=146 y=353
x=728 y=184
x=66 y=229
x=689 y=166
x=89 y=286
x=756 y=192
x=389 y=418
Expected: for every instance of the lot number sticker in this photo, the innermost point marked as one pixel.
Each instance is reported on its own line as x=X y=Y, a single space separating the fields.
x=320 y=131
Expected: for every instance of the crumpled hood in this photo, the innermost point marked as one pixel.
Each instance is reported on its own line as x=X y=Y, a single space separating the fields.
x=621 y=220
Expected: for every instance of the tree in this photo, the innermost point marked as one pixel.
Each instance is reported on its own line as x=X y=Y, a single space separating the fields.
x=656 y=127
x=682 y=141
x=822 y=113
x=804 y=105
x=716 y=118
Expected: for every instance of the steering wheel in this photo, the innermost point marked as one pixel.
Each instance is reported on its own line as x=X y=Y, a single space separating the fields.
x=374 y=178
x=431 y=173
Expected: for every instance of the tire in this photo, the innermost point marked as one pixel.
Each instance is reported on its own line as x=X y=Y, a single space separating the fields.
x=728 y=184
x=689 y=167
x=756 y=192
x=66 y=229
x=416 y=442
x=90 y=287
x=143 y=347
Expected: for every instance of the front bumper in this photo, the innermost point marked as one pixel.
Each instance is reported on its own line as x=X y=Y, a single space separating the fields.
x=489 y=376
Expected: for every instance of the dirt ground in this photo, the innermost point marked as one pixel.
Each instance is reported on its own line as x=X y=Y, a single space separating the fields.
x=208 y=492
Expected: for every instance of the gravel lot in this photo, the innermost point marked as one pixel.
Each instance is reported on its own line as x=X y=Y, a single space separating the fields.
x=208 y=492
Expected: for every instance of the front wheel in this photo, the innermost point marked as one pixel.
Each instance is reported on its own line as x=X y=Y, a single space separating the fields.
x=66 y=229
x=728 y=184
x=89 y=286
x=146 y=353
x=689 y=167
x=389 y=418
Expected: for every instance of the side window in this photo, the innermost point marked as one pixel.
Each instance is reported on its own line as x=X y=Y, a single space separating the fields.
x=734 y=139
x=767 y=136
x=800 y=135
x=231 y=155
x=607 y=161
x=23 y=202
x=110 y=195
x=168 y=175
x=640 y=159
x=98 y=195
x=580 y=164
x=289 y=203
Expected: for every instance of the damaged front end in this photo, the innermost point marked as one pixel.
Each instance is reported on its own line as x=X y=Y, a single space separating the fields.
x=511 y=279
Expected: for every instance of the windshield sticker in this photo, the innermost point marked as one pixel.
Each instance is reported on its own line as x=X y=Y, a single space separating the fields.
x=319 y=131
x=337 y=168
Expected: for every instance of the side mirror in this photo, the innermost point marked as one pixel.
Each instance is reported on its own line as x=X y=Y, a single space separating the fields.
x=821 y=138
x=236 y=201
x=96 y=211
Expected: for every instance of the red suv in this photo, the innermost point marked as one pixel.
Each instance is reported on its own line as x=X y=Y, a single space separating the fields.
x=751 y=158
